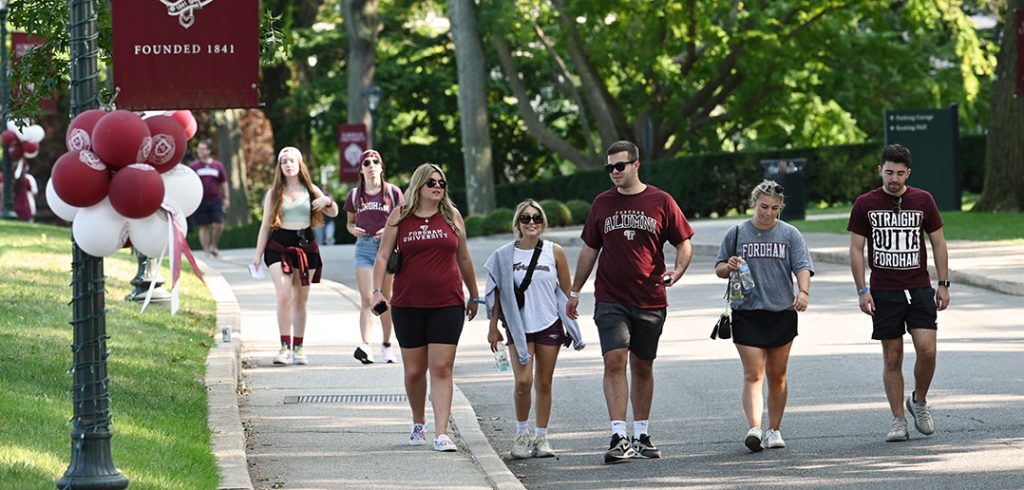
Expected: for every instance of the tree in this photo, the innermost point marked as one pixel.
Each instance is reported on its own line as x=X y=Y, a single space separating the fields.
x=1004 y=151
x=476 y=136
x=362 y=26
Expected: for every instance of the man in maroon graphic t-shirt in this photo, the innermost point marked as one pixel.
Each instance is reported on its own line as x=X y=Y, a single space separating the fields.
x=893 y=221
x=628 y=225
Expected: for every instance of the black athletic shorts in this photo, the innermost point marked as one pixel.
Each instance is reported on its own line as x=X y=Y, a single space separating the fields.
x=637 y=329
x=763 y=328
x=901 y=310
x=417 y=327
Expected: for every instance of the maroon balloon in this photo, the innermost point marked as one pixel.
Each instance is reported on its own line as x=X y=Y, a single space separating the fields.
x=168 y=143
x=29 y=147
x=79 y=135
x=121 y=138
x=80 y=178
x=187 y=121
x=9 y=137
x=136 y=191
x=15 y=150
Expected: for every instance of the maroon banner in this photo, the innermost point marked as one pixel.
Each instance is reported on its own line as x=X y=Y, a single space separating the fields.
x=351 y=143
x=21 y=44
x=1020 y=52
x=186 y=54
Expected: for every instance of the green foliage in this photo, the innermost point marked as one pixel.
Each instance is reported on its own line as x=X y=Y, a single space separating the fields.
x=558 y=213
x=475 y=225
x=579 y=209
x=498 y=221
x=156 y=365
x=956 y=225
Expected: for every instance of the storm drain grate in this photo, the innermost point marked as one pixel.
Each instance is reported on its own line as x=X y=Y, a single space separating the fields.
x=392 y=398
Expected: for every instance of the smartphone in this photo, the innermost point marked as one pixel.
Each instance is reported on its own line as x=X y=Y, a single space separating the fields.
x=380 y=308
x=667 y=279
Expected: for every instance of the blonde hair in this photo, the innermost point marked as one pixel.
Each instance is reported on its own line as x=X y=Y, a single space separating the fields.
x=768 y=188
x=412 y=195
x=316 y=219
x=529 y=203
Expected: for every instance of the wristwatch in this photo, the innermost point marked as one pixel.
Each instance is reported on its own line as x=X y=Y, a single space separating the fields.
x=944 y=284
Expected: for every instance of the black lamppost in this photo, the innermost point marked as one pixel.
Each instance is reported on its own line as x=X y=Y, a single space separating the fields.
x=372 y=96
x=8 y=212
x=92 y=465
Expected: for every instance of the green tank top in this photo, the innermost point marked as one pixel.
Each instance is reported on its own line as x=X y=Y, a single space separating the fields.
x=295 y=211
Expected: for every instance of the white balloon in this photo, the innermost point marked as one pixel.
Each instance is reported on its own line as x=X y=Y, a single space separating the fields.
x=34 y=133
x=62 y=209
x=182 y=185
x=149 y=235
x=99 y=230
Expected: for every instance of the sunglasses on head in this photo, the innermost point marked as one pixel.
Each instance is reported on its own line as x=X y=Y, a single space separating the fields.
x=620 y=166
x=431 y=183
x=778 y=189
x=370 y=161
x=525 y=219
x=303 y=240
x=896 y=202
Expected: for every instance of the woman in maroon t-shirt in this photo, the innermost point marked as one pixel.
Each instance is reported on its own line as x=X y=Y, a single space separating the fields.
x=428 y=302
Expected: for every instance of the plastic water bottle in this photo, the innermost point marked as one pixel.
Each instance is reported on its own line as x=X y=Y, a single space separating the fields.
x=746 y=278
x=501 y=359
x=735 y=287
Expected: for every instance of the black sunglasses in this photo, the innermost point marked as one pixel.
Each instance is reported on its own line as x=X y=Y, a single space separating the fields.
x=431 y=183
x=896 y=202
x=525 y=219
x=303 y=240
x=620 y=166
x=370 y=161
x=778 y=189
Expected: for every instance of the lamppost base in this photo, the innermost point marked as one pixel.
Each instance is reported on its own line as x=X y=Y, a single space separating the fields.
x=159 y=296
x=91 y=466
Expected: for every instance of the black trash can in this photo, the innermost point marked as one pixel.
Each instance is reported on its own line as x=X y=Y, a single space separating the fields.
x=789 y=173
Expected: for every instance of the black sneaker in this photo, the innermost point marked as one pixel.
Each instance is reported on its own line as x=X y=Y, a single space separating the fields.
x=619 y=450
x=644 y=448
x=363 y=355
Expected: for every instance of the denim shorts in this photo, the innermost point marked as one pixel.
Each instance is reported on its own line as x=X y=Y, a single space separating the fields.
x=366 y=252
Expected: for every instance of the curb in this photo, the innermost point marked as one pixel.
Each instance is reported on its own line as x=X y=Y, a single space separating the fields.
x=223 y=372
x=465 y=424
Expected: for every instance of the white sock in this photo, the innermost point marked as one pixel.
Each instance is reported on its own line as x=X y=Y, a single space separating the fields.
x=522 y=426
x=639 y=427
x=541 y=431
x=619 y=427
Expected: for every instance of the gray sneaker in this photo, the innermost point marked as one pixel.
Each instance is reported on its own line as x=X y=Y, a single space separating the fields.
x=522 y=446
x=619 y=450
x=922 y=416
x=898 y=430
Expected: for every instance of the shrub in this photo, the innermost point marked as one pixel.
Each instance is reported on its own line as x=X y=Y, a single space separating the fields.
x=475 y=225
x=579 y=209
x=499 y=221
x=558 y=213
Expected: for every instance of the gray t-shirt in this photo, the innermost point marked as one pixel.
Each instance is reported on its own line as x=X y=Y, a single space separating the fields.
x=774 y=256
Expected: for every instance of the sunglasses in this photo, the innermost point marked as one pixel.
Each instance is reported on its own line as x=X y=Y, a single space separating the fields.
x=778 y=189
x=525 y=219
x=303 y=240
x=896 y=202
x=432 y=183
x=370 y=161
x=620 y=166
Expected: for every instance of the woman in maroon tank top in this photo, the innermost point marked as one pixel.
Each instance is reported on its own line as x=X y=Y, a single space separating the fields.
x=428 y=304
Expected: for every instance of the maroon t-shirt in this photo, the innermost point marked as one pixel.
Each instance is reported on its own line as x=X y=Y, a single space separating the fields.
x=430 y=276
x=630 y=231
x=896 y=249
x=212 y=176
x=372 y=211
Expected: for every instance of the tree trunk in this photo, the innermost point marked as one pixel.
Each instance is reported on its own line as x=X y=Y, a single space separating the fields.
x=362 y=26
x=476 y=128
x=1004 y=151
x=229 y=152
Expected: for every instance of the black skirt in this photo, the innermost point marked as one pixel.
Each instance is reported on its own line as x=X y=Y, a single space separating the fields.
x=763 y=328
x=294 y=238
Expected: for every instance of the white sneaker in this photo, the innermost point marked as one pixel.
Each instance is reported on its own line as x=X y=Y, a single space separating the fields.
x=898 y=430
x=363 y=354
x=299 y=356
x=418 y=435
x=284 y=356
x=541 y=448
x=753 y=439
x=444 y=444
x=773 y=439
x=522 y=446
x=387 y=353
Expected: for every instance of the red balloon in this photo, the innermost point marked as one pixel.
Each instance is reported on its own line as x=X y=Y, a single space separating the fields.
x=121 y=138
x=15 y=150
x=136 y=191
x=80 y=178
x=168 y=143
x=9 y=137
x=79 y=135
x=30 y=148
x=187 y=121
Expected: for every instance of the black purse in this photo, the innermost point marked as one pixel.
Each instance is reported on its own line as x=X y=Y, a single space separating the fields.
x=723 y=327
x=394 y=261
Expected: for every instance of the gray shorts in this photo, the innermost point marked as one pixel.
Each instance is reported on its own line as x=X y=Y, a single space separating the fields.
x=636 y=329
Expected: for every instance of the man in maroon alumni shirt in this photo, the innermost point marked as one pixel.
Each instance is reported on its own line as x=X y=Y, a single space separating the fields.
x=628 y=225
x=893 y=220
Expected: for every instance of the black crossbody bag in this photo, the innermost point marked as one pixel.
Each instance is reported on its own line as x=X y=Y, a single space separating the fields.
x=723 y=327
x=521 y=289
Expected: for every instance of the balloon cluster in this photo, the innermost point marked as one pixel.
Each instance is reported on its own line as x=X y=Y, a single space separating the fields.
x=22 y=142
x=122 y=179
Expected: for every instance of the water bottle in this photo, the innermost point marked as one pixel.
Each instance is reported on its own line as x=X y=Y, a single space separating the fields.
x=746 y=278
x=501 y=359
x=735 y=287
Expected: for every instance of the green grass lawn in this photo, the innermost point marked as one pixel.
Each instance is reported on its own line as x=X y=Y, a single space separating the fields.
x=956 y=225
x=156 y=365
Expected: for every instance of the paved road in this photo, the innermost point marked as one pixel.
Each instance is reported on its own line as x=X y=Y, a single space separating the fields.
x=837 y=414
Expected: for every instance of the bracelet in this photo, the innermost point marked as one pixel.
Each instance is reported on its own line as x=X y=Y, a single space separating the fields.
x=863 y=291
x=574 y=294
x=479 y=301
x=378 y=290
x=805 y=292
x=330 y=204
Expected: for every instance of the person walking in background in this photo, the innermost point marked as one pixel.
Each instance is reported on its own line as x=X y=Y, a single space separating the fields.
x=209 y=216
x=628 y=225
x=537 y=273
x=428 y=305
x=25 y=191
x=764 y=321
x=368 y=206
x=291 y=209
x=900 y=298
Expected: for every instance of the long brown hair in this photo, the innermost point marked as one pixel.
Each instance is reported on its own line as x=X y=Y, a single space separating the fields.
x=412 y=195
x=316 y=219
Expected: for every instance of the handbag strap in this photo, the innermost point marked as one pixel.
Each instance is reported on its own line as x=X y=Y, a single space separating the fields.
x=529 y=270
x=735 y=251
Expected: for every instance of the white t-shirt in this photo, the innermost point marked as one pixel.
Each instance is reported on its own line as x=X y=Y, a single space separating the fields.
x=540 y=309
